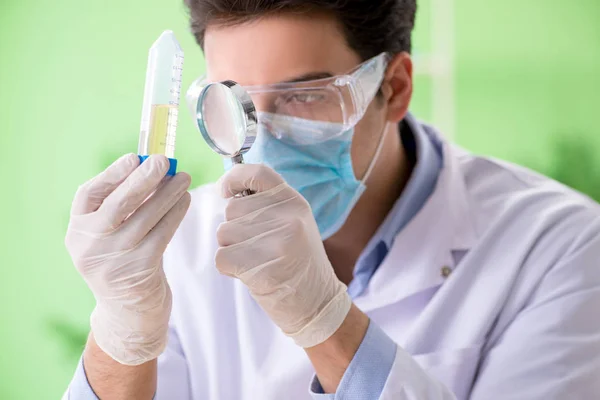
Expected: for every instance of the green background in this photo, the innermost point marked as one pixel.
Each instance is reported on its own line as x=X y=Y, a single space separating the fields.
x=527 y=77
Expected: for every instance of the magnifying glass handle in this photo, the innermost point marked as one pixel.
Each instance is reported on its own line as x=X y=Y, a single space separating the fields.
x=239 y=159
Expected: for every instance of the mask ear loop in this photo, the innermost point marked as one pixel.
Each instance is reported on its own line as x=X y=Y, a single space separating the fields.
x=383 y=133
x=376 y=155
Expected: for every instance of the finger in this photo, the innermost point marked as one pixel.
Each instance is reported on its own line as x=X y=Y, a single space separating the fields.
x=128 y=196
x=91 y=194
x=239 y=258
x=242 y=229
x=254 y=177
x=158 y=238
x=137 y=226
x=239 y=207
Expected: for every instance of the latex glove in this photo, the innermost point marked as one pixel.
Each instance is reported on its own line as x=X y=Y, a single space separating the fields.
x=271 y=242
x=116 y=238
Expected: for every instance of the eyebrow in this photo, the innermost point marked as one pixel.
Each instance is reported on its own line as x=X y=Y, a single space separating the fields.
x=311 y=76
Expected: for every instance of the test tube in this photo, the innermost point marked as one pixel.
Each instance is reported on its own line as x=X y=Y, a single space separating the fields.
x=161 y=99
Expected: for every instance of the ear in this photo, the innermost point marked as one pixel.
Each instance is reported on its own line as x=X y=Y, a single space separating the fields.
x=397 y=86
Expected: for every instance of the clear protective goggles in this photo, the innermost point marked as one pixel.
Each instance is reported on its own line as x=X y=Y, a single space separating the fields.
x=338 y=102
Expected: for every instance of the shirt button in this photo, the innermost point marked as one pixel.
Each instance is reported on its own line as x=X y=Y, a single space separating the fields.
x=446 y=271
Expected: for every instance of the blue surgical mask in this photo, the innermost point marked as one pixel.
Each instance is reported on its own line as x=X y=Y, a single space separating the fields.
x=320 y=170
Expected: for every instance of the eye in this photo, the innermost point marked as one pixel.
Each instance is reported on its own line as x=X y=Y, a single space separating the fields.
x=304 y=98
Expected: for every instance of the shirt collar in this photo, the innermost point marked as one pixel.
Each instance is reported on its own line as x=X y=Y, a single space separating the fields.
x=427 y=151
x=429 y=161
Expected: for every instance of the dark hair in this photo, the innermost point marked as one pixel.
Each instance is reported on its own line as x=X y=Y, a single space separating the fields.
x=370 y=26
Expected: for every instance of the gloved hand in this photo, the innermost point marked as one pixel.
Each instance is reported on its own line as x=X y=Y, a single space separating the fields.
x=117 y=235
x=270 y=241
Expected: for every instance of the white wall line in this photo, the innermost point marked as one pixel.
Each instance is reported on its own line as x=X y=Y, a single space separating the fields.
x=441 y=66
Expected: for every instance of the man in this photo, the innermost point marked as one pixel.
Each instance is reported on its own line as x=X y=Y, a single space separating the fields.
x=373 y=259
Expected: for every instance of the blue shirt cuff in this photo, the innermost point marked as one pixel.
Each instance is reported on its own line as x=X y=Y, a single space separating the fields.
x=80 y=387
x=368 y=371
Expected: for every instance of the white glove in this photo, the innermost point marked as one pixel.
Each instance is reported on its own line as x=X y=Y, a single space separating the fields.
x=116 y=237
x=271 y=242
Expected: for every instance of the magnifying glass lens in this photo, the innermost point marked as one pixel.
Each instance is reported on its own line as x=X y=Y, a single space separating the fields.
x=224 y=119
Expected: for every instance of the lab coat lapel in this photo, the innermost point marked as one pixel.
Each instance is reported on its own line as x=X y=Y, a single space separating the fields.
x=422 y=253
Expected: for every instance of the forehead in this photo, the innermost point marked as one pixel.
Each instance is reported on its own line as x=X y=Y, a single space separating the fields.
x=277 y=48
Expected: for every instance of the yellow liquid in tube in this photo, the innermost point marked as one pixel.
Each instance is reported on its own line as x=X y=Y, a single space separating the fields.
x=163 y=123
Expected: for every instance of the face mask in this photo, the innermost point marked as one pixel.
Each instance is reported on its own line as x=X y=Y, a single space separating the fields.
x=320 y=170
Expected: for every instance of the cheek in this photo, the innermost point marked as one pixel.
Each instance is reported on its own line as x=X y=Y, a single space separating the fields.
x=360 y=150
x=365 y=140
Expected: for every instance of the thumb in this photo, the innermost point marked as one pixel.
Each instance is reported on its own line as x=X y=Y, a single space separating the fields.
x=254 y=177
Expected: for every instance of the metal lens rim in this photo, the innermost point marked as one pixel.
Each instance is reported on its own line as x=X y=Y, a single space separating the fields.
x=249 y=113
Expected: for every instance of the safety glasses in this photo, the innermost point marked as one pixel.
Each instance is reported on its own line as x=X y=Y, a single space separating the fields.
x=337 y=103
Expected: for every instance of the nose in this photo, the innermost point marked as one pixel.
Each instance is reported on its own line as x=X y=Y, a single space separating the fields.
x=263 y=102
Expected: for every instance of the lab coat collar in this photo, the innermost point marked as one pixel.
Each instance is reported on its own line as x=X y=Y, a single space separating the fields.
x=425 y=250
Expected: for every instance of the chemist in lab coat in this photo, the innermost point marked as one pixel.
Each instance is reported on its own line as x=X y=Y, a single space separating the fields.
x=375 y=259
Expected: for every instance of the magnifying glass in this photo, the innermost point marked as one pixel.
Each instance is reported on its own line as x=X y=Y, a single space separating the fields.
x=227 y=119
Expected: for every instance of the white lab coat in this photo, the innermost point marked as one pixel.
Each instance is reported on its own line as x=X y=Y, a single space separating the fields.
x=518 y=317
